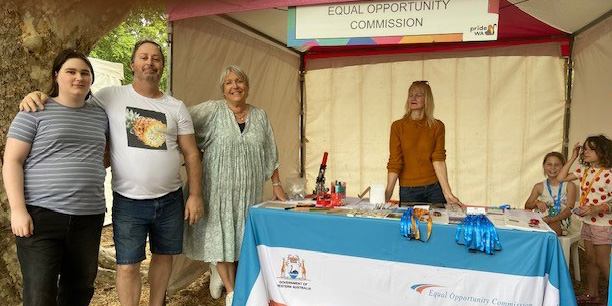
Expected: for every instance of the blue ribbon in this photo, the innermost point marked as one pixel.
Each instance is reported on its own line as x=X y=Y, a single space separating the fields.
x=406 y=223
x=478 y=234
x=409 y=224
x=557 y=201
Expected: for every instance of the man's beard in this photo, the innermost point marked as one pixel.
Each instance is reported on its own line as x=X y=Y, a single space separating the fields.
x=151 y=77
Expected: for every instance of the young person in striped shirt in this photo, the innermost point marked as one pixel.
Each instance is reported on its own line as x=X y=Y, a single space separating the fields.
x=54 y=178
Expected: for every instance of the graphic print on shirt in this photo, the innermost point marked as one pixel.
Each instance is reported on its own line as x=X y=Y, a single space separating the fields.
x=145 y=129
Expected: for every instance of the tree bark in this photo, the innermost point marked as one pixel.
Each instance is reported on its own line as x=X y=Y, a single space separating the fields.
x=32 y=33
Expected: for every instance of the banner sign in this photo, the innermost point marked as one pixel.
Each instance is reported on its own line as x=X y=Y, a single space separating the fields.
x=393 y=22
x=302 y=277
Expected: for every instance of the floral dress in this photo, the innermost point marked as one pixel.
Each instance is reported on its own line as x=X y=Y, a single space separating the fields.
x=235 y=167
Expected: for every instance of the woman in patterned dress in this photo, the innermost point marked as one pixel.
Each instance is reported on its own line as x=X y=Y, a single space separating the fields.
x=239 y=156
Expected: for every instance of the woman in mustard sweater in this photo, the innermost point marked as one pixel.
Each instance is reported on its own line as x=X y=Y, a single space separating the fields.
x=416 y=152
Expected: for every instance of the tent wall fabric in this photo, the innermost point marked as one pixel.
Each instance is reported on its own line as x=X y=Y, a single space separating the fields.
x=202 y=47
x=503 y=110
x=106 y=74
x=591 y=108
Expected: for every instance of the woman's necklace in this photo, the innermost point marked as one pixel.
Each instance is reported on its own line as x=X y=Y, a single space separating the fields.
x=240 y=116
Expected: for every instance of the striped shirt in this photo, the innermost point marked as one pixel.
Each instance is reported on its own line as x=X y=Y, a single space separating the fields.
x=64 y=171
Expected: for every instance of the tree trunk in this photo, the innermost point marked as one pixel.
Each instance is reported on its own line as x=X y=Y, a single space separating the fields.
x=32 y=33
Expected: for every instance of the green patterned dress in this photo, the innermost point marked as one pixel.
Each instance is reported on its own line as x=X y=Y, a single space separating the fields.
x=235 y=167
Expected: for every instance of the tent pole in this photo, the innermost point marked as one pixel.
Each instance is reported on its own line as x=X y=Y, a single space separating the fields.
x=569 y=77
x=592 y=23
x=302 y=76
x=169 y=26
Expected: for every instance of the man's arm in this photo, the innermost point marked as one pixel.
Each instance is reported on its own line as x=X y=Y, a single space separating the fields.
x=33 y=101
x=194 y=208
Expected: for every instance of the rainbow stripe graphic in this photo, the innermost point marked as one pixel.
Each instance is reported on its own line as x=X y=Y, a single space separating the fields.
x=420 y=287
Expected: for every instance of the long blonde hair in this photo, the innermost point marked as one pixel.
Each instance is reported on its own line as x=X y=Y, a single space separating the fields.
x=423 y=88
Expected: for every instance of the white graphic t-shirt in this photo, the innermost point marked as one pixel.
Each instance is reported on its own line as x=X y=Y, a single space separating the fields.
x=145 y=157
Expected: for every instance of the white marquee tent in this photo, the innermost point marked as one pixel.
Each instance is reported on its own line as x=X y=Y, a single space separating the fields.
x=503 y=105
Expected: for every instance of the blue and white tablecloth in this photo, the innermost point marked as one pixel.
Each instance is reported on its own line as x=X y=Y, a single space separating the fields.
x=296 y=259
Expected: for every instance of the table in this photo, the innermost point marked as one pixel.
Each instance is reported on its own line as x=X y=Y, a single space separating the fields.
x=292 y=258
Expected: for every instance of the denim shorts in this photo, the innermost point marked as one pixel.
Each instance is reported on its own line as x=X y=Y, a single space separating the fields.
x=160 y=218
x=422 y=194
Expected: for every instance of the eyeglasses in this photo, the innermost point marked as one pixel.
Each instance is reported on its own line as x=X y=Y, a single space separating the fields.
x=421 y=82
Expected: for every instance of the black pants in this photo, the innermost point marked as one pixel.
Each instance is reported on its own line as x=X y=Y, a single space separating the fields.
x=59 y=262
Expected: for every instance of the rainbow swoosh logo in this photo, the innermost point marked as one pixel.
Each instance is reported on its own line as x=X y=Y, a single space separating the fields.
x=420 y=287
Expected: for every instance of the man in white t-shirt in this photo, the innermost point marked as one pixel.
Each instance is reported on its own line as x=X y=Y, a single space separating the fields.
x=148 y=131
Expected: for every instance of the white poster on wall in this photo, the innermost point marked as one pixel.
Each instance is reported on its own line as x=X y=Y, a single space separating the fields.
x=468 y=20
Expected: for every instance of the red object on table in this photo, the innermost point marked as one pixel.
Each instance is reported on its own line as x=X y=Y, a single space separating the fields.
x=324 y=162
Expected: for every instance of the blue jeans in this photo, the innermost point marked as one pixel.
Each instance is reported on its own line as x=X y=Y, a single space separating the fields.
x=63 y=247
x=422 y=194
x=161 y=218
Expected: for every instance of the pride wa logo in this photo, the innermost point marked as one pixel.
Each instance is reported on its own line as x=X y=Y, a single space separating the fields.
x=480 y=30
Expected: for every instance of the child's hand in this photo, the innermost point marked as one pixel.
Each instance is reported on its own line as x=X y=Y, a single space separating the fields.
x=590 y=210
x=542 y=207
x=546 y=219
x=576 y=150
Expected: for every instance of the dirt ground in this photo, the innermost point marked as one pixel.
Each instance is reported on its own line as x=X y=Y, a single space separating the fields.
x=197 y=294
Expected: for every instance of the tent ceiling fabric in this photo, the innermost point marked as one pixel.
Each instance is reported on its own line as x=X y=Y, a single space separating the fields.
x=272 y=22
x=566 y=15
x=193 y=8
x=502 y=107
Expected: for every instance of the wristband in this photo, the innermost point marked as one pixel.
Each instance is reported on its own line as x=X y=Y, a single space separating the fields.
x=277 y=184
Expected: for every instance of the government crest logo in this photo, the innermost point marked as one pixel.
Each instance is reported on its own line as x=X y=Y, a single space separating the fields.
x=293 y=274
x=293 y=267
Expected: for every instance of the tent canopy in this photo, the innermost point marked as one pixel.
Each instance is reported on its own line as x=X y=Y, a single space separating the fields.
x=499 y=159
x=517 y=18
x=498 y=88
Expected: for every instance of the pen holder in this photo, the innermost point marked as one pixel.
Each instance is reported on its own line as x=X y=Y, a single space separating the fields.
x=337 y=199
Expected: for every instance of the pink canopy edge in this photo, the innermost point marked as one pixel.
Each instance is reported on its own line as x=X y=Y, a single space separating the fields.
x=192 y=8
x=514 y=23
x=515 y=26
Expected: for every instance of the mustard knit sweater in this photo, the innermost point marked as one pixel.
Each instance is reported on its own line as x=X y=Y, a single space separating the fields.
x=413 y=146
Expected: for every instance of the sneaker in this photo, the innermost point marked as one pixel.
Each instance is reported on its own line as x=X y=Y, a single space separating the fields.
x=216 y=284
x=229 y=298
x=586 y=299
